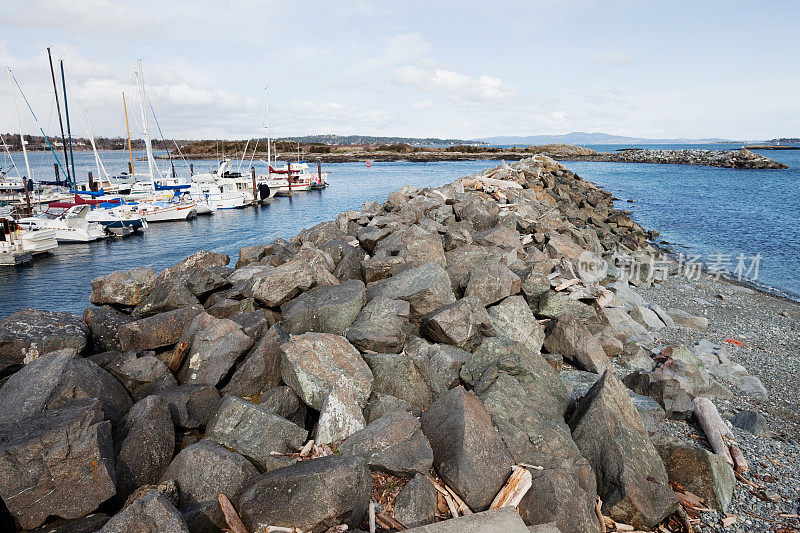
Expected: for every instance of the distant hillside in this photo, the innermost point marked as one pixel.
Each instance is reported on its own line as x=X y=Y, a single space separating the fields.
x=366 y=139
x=583 y=139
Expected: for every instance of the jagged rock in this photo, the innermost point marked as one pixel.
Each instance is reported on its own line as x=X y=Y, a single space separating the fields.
x=505 y=519
x=612 y=346
x=311 y=495
x=500 y=236
x=399 y=376
x=191 y=406
x=425 y=288
x=647 y=317
x=325 y=309
x=284 y=402
x=151 y=514
x=313 y=362
x=491 y=283
x=467 y=451
x=255 y=324
x=570 y=338
x=472 y=210
x=394 y=444
x=228 y=308
x=282 y=283
x=144 y=445
x=462 y=261
x=439 y=364
x=554 y=304
x=753 y=387
x=381 y=326
x=341 y=414
x=168 y=295
x=169 y=489
x=200 y=259
x=203 y=472
x=534 y=286
x=682 y=318
x=27 y=334
x=103 y=323
x=157 y=331
x=631 y=478
x=716 y=360
x=141 y=376
x=255 y=432
x=56 y=463
x=412 y=245
x=415 y=505
x=127 y=288
x=753 y=422
x=379 y=404
x=662 y=315
x=701 y=472
x=629 y=297
x=215 y=344
x=88 y=524
x=252 y=254
x=261 y=368
x=626 y=327
x=462 y=323
x=513 y=318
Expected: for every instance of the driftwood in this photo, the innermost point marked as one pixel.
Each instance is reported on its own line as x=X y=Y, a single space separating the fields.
x=371 y=517
x=178 y=355
x=598 y=510
x=446 y=495
x=231 y=516
x=719 y=434
x=518 y=484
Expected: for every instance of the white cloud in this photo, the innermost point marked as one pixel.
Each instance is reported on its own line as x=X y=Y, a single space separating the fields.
x=422 y=106
x=461 y=88
x=611 y=59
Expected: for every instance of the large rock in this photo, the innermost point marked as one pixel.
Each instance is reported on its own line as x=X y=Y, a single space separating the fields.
x=204 y=471
x=505 y=519
x=571 y=338
x=141 y=373
x=631 y=478
x=144 y=443
x=57 y=463
x=439 y=364
x=381 y=326
x=27 y=334
x=398 y=375
x=753 y=422
x=169 y=294
x=703 y=473
x=201 y=259
x=311 y=495
x=126 y=288
x=151 y=514
x=379 y=404
x=341 y=414
x=284 y=402
x=687 y=320
x=282 y=283
x=261 y=368
x=215 y=344
x=554 y=304
x=513 y=318
x=191 y=406
x=425 y=288
x=103 y=323
x=467 y=451
x=255 y=432
x=325 y=309
x=492 y=282
x=415 y=505
x=463 y=323
x=314 y=361
x=394 y=444
x=157 y=331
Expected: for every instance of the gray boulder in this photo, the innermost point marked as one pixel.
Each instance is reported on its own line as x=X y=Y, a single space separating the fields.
x=425 y=288
x=284 y=402
x=215 y=344
x=505 y=519
x=191 y=406
x=439 y=364
x=631 y=478
x=313 y=362
x=157 y=331
x=394 y=444
x=56 y=463
x=513 y=318
x=151 y=514
x=399 y=376
x=261 y=368
x=569 y=337
x=341 y=414
x=27 y=334
x=141 y=376
x=103 y=323
x=553 y=304
x=169 y=294
x=255 y=432
x=126 y=288
x=310 y=495
x=647 y=317
x=463 y=323
x=379 y=404
x=282 y=283
x=468 y=452
x=753 y=422
x=201 y=259
x=492 y=282
x=415 y=505
x=687 y=320
x=325 y=309
x=703 y=473
x=381 y=326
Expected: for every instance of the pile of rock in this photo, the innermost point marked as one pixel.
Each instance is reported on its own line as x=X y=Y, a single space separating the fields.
x=742 y=158
x=436 y=340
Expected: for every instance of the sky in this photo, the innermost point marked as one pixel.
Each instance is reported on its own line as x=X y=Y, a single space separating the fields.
x=463 y=69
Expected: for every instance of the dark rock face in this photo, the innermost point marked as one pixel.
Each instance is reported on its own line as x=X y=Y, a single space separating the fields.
x=394 y=444
x=752 y=421
x=463 y=323
x=325 y=309
x=141 y=376
x=203 y=472
x=415 y=505
x=467 y=451
x=398 y=376
x=631 y=478
x=312 y=495
x=261 y=368
x=27 y=334
x=425 y=288
x=700 y=471
x=314 y=361
x=151 y=514
x=201 y=259
x=169 y=294
x=255 y=433
x=284 y=402
x=215 y=344
x=191 y=406
x=282 y=283
x=572 y=339
x=439 y=364
x=493 y=282
x=126 y=288
x=379 y=404
x=145 y=443
x=103 y=323
x=505 y=519
x=382 y=326
x=157 y=331
x=57 y=463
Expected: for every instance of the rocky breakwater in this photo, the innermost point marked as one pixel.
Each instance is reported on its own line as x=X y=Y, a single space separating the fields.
x=742 y=158
x=416 y=364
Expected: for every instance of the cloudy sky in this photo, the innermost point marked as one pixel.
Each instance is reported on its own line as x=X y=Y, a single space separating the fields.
x=447 y=69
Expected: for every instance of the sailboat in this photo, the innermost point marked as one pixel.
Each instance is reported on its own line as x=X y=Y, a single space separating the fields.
x=70 y=226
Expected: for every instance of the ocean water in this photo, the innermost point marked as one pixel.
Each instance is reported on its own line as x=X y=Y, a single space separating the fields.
x=699 y=210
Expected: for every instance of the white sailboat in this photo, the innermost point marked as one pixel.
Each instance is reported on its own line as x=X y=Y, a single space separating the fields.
x=71 y=226
x=229 y=189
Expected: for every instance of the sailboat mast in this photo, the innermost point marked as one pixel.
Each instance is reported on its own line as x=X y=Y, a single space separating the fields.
x=69 y=130
x=142 y=99
x=269 y=142
x=128 y=129
x=60 y=122
x=22 y=139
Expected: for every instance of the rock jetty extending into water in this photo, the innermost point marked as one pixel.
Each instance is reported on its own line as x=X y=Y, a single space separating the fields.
x=412 y=364
x=742 y=158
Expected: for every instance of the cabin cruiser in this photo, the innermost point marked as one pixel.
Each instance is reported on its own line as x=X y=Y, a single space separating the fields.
x=70 y=226
x=232 y=185
x=294 y=177
x=112 y=213
x=18 y=246
x=161 y=211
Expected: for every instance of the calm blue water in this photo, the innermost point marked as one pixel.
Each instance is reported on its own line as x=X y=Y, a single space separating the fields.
x=704 y=210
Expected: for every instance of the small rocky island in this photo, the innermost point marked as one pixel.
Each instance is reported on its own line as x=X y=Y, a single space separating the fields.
x=473 y=357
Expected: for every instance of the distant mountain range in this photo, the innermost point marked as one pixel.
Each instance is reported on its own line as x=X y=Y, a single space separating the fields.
x=367 y=139
x=581 y=138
